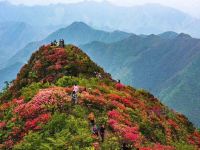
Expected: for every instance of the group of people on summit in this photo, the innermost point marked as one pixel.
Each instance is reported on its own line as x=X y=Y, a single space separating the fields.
x=61 y=43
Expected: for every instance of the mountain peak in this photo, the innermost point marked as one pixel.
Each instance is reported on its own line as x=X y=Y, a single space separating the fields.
x=79 y=25
x=52 y=62
x=168 y=35
x=183 y=35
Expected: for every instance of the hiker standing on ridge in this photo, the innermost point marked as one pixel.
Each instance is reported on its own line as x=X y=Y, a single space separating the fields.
x=95 y=131
x=119 y=86
x=91 y=118
x=74 y=94
x=102 y=132
x=76 y=88
x=74 y=98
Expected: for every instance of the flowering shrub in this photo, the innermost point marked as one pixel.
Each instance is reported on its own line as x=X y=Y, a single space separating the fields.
x=194 y=139
x=121 y=125
x=173 y=124
x=158 y=147
x=45 y=99
x=35 y=123
x=118 y=105
x=2 y=125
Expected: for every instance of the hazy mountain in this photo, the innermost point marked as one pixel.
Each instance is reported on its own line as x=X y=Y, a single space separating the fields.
x=164 y=66
x=6 y=74
x=145 y=19
x=15 y=35
x=76 y=33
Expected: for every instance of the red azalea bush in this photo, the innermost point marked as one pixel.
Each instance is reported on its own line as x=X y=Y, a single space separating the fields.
x=120 y=123
x=118 y=105
x=2 y=125
x=54 y=54
x=194 y=139
x=40 y=103
x=158 y=147
x=34 y=124
x=97 y=100
x=173 y=124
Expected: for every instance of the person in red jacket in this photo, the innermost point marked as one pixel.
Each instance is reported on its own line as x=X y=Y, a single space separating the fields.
x=119 y=86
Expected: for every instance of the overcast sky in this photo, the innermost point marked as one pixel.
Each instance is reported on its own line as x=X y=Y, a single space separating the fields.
x=189 y=6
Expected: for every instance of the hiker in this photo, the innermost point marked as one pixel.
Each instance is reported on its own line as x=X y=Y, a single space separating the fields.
x=102 y=132
x=95 y=130
x=75 y=88
x=91 y=118
x=125 y=146
x=55 y=43
x=61 y=43
x=119 y=86
x=74 y=98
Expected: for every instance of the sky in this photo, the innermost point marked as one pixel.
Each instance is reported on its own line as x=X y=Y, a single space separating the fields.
x=191 y=7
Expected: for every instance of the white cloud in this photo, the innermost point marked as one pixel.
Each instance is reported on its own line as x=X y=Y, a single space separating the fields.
x=189 y=6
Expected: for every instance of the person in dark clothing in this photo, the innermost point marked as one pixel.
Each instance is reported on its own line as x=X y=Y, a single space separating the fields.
x=126 y=146
x=74 y=97
x=102 y=132
x=95 y=130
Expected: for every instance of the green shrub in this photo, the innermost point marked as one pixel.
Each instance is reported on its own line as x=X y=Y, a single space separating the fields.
x=183 y=146
x=111 y=143
x=29 y=91
x=31 y=141
x=57 y=123
x=61 y=132
x=67 y=81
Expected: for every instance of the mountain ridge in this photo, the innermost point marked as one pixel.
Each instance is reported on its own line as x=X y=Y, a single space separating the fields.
x=132 y=118
x=150 y=61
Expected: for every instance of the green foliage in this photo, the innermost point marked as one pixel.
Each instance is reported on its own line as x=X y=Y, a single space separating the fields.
x=153 y=131
x=135 y=115
x=67 y=81
x=159 y=136
x=183 y=146
x=29 y=91
x=62 y=132
x=70 y=81
x=31 y=141
x=56 y=124
x=32 y=75
x=79 y=111
x=143 y=92
x=112 y=143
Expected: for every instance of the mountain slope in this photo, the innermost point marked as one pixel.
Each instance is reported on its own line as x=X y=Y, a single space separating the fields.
x=182 y=91
x=153 y=62
x=132 y=118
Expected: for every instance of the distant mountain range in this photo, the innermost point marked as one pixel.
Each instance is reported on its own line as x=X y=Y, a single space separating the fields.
x=145 y=19
x=15 y=35
x=165 y=64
